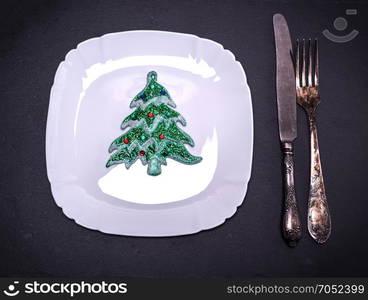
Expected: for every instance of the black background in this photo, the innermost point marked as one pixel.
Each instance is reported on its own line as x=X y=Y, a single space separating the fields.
x=36 y=239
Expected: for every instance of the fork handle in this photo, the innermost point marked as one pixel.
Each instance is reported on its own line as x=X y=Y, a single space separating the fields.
x=290 y=220
x=319 y=220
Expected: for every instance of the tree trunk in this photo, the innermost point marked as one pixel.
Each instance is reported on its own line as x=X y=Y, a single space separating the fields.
x=154 y=167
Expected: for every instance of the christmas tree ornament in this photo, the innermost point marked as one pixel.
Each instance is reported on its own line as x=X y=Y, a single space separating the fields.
x=153 y=134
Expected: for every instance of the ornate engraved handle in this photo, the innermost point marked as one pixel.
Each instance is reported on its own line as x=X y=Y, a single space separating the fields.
x=290 y=220
x=319 y=220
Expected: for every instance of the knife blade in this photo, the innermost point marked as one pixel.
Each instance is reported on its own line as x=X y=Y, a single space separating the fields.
x=286 y=107
x=285 y=80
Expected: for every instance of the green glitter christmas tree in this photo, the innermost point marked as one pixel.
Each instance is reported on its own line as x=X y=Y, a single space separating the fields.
x=153 y=134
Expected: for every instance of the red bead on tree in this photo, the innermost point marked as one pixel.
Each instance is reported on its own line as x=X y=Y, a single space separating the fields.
x=150 y=115
x=161 y=136
x=142 y=153
x=126 y=141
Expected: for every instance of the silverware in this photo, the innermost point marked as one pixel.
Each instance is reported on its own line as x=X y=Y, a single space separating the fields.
x=286 y=104
x=307 y=89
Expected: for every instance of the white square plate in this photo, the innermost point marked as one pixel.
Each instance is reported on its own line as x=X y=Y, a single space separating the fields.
x=90 y=97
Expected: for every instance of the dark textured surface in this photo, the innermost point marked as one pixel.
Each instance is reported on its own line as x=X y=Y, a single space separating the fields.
x=36 y=239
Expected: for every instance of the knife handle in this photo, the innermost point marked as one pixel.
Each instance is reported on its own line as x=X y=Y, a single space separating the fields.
x=290 y=219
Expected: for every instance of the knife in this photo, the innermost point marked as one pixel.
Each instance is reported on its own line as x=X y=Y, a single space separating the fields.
x=286 y=106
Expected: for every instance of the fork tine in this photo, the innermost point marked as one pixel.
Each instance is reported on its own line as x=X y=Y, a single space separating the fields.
x=297 y=65
x=310 y=63
x=303 y=66
x=316 y=63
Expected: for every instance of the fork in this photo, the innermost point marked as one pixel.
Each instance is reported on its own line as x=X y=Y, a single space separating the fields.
x=307 y=92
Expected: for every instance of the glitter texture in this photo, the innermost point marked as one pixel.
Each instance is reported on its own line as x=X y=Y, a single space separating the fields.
x=153 y=135
x=161 y=110
x=151 y=90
